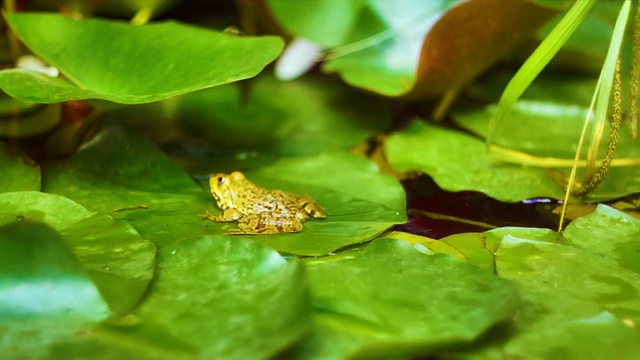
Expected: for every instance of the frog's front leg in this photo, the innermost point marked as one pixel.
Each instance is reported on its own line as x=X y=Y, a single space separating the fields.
x=227 y=215
x=265 y=224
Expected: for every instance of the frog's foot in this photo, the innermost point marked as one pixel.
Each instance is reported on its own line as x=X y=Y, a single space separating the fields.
x=265 y=225
x=210 y=216
x=313 y=209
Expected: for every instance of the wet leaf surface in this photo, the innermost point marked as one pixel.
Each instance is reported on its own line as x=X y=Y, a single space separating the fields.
x=458 y=162
x=111 y=252
x=388 y=300
x=127 y=173
x=44 y=294
x=571 y=286
x=241 y=300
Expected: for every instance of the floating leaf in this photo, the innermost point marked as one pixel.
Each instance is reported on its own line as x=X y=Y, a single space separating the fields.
x=388 y=300
x=115 y=257
x=139 y=184
x=568 y=292
x=215 y=297
x=131 y=64
x=44 y=294
x=111 y=252
x=551 y=129
x=458 y=162
x=563 y=285
x=609 y=232
x=32 y=206
x=40 y=277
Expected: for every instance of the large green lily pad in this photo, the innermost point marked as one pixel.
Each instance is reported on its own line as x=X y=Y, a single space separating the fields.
x=18 y=172
x=563 y=285
x=120 y=62
x=44 y=294
x=388 y=300
x=609 y=232
x=38 y=275
x=135 y=182
x=458 y=161
x=572 y=287
x=551 y=129
x=215 y=298
x=111 y=252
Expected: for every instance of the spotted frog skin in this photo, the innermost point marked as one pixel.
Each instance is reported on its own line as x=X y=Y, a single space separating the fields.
x=258 y=210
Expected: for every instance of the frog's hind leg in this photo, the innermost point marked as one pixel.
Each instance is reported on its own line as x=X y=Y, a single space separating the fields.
x=311 y=208
x=265 y=224
x=227 y=215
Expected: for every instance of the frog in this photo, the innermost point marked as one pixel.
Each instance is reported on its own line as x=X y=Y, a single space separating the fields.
x=258 y=210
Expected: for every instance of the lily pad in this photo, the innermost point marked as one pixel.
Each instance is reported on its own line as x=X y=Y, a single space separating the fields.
x=215 y=297
x=135 y=182
x=300 y=117
x=116 y=258
x=567 y=291
x=18 y=172
x=459 y=162
x=609 y=232
x=542 y=128
x=38 y=275
x=572 y=286
x=424 y=47
x=388 y=300
x=551 y=129
x=621 y=341
x=245 y=301
x=111 y=252
x=131 y=64
x=32 y=206
x=562 y=285
x=44 y=294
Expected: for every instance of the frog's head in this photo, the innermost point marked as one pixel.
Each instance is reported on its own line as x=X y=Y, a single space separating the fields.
x=223 y=188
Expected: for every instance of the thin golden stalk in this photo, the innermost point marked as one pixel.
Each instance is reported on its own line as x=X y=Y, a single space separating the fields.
x=594 y=181
x=635 y=75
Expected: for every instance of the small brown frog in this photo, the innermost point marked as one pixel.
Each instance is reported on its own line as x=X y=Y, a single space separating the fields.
x=258 y=210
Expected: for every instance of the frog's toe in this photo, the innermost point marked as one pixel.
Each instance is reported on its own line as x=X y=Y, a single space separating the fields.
x=239 y=231
x=206 y=215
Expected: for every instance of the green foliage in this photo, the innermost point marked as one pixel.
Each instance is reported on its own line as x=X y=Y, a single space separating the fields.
x=409 y=47
x=538 y=60
x=105 y=254
x=128 y=173
x=133 y=64
x=388 y=300
x=570 y=288
x=112 y=253
x=459 y=162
